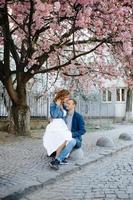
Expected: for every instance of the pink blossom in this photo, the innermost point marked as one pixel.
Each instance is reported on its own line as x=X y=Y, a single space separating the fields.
x=83 y=2
x=53 y=37
x=128 y=49
x=57 y=6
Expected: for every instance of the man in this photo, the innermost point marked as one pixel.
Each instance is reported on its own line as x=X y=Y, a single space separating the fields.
x=75 y=122
x=76 y=125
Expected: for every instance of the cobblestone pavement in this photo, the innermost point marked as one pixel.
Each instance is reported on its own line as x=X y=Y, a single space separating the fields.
x=110 y=179
x=20 y=163
x=23 y=162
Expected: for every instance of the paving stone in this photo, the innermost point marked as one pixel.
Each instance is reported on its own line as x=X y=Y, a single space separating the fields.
x=99 y=195
x=111 y=196
x=130 y=196
x=122 y=195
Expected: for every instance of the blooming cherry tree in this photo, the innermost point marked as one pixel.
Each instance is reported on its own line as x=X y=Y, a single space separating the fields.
x=66 y=36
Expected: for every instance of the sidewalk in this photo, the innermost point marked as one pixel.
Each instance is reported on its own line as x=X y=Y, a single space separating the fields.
x=24 y=164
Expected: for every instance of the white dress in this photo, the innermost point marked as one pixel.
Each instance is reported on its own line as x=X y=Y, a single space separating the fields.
x=55 y=135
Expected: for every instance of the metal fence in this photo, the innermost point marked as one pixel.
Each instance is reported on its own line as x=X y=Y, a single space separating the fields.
x=39 y=107
x=4 y=105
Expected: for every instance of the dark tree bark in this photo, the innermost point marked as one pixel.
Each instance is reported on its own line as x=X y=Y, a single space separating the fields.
x=129 y=105
x=20 y=113
x=20 y=120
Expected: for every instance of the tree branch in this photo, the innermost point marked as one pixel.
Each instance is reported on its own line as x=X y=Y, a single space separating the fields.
x=69 y=62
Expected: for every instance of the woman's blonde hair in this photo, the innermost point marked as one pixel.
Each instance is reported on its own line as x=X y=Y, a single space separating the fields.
x=61 y=95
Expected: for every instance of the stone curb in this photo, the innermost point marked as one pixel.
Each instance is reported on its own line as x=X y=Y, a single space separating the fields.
x=19 y=194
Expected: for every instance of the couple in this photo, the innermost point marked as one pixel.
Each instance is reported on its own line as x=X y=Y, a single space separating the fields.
x=64 y=132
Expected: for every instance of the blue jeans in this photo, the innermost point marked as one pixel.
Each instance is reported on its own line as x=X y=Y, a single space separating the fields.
x=67 y=150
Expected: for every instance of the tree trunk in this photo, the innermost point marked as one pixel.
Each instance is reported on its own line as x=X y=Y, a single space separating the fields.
x=20 y=113
x=129 y=105
x=20 y=120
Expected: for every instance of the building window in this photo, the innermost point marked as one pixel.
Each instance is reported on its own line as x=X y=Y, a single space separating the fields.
x=121 y=94
x=86 y=108
x=118 y=95
x=106 y=96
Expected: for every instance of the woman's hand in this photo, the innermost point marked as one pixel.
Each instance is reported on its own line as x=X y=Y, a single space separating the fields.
x=50 y=120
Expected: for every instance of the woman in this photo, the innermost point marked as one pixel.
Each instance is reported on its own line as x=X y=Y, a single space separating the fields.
x=57 y=134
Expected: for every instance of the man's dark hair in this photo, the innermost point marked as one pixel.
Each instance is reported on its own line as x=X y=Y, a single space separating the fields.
x=74 y=101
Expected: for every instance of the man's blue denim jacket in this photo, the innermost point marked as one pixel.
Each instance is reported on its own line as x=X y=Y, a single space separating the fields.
x=56 y=111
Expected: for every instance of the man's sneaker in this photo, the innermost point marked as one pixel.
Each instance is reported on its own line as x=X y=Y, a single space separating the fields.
x=54 y=164
x=64 y=162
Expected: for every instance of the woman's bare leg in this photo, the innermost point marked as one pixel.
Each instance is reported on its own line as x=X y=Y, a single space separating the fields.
x=58 y=151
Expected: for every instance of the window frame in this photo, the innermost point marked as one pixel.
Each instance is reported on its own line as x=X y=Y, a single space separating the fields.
x=107 y=96
x=120 y=92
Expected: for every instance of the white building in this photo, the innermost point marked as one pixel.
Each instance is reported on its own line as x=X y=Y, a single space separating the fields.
x=108 y=103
